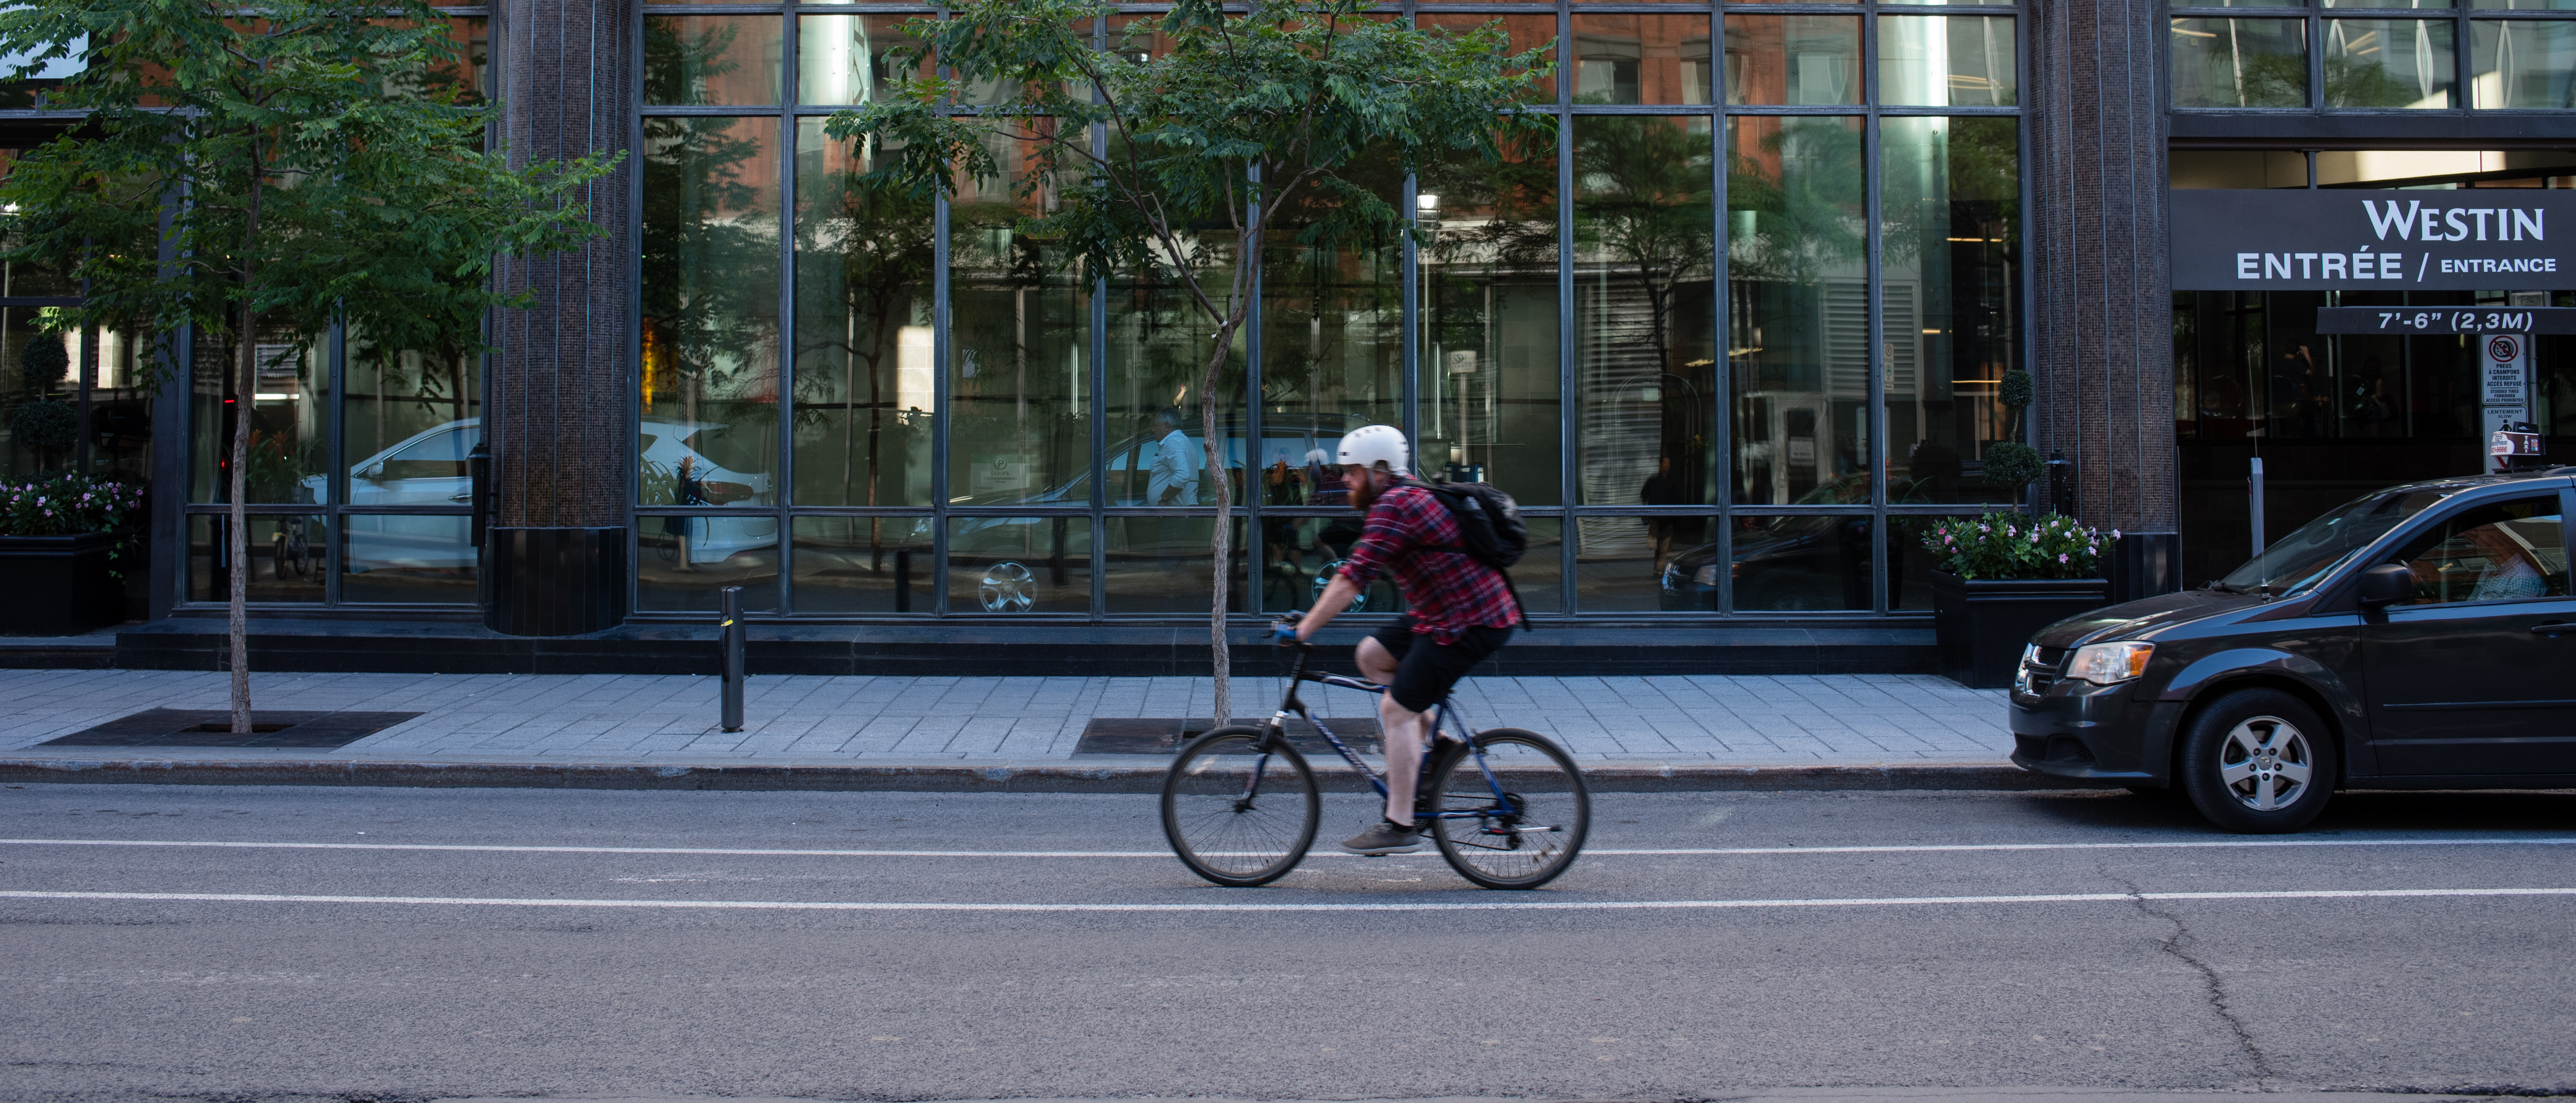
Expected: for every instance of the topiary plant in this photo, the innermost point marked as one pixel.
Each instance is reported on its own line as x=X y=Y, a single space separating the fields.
x=2016 y=389
x=2012 y=465
x=45 y=425
x=43 y=363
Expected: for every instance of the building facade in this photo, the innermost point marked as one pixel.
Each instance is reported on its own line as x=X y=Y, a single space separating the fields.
x=1732 y=339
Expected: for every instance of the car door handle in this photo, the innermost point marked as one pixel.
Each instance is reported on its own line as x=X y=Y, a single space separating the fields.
x=2558 y=628
x=469 y=496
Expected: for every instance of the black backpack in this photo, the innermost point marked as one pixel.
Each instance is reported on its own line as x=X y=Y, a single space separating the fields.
x=1489 y=530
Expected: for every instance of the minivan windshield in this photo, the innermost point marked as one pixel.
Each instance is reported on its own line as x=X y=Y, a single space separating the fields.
x=2304 y=558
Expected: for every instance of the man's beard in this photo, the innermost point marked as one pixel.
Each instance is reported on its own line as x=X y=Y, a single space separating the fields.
x=1364 y=495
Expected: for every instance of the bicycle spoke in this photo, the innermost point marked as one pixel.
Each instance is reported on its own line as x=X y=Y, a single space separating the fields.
x=1236 y=814
x=1528 y=836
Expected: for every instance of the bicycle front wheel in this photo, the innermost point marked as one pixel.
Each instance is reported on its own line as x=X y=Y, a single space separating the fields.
x=1240 y=807
x=1529 y=832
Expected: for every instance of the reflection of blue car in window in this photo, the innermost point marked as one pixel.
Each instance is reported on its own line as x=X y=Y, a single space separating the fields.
x=1798 y=561
x=1009 y=553
x=428 y=468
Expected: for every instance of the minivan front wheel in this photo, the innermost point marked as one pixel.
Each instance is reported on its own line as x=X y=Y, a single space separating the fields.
x=2258 y=761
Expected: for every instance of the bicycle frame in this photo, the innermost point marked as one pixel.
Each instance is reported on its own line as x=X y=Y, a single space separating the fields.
x=1431 y=742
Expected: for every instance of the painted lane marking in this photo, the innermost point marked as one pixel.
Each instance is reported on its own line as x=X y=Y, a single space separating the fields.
x=1535 y=905
x=1925 y=848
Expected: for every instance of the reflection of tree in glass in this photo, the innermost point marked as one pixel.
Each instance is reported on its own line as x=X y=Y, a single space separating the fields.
x=1327 y=262
x=707 y=291
x=1804 y=188
x=2367 y=84
x=882 y=236
x=1643 y=187
x=2273 y=80
x=1519 y=194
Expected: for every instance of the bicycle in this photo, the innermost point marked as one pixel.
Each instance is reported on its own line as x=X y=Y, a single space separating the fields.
x=1240 y=804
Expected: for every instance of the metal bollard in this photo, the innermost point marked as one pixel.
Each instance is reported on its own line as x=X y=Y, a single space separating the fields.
x=734 y=631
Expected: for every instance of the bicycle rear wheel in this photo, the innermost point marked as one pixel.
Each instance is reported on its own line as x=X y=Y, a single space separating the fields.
x=1530 y=834
x=1240 y=807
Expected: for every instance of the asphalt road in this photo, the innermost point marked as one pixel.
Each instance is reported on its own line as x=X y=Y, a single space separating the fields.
x=2052 y=939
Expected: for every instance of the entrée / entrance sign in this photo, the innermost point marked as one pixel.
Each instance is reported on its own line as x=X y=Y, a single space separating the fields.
x=2297 y=239
x=2454 y=319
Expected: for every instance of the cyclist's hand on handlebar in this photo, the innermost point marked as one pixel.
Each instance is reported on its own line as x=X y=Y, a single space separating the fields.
x=1284 y=632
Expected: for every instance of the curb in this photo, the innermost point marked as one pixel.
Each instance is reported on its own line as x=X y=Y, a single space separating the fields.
x=962 y=778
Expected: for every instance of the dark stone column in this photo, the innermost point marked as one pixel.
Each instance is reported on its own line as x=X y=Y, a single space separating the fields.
x=556 y=412
x=2102 y=323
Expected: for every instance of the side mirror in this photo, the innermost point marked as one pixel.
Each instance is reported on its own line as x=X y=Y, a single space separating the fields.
x=2387 y=584
x=374 y=472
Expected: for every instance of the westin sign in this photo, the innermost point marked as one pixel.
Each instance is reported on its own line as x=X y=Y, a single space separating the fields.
x=2472 y=239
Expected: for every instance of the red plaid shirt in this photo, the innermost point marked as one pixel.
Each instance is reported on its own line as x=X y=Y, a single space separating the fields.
x=1445 y=591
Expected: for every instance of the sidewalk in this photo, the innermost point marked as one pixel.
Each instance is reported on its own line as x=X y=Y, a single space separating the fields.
x=665 y=726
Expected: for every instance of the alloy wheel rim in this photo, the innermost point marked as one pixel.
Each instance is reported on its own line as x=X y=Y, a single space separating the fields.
x=1005 y=588
x=1324 y=577
x=2266 y=763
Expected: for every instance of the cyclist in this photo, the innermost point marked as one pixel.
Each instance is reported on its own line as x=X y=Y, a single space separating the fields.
x=1460 y=612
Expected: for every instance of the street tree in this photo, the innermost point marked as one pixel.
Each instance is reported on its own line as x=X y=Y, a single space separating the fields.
x=252 y=173
x=1169 y=160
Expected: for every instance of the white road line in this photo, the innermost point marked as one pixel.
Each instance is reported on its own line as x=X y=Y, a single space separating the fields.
x=1926 y=848
x=1391 y=906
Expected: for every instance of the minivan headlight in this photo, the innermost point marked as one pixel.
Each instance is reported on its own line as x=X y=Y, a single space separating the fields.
x=2105 y=664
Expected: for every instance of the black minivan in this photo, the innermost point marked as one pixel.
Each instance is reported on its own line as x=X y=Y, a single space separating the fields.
x=2422 y=636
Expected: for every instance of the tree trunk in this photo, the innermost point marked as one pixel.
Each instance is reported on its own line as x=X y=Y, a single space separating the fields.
x=237 y=615
x=245 y=402
x=1223 y=542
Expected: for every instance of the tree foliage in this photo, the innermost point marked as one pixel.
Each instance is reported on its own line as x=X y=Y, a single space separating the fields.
x=1170 y=163
x=250 y=174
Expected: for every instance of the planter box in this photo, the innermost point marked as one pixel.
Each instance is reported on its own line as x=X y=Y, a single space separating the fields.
x=1981 y=625
x=59 y=585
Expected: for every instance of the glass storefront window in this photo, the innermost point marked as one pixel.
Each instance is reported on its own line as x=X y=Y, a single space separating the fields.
x=410 y=418
x=1797 y=308
x=1158 y=356
x=682 y=562
x=2523 y=5
x=1641 y=59
x=1793 y=60
x=864 y=373
x=409 y=558
x=43 y=438
x=1300 y=556
x=861 y=565
x=1332 y=338
x=1161 y=565
x=287 y=558
x=1488 y=326
x=1645 y=311
x=1619 y=562
x=1946 y=61
x=711 y=60
x=2389 y=63
x=1019 y=364
x=2410 y=4
x=291 y=407
x=1801 y=563
x=841 y=59
x=1950 y=253
x=710 y=305
x=2239 y=63
x=1019 y=564
x=2522 y=64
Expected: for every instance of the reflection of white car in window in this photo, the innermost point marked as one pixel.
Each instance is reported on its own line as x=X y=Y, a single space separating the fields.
x=428 y=468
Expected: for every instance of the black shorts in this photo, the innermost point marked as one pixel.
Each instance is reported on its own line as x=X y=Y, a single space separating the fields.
x=1426 y=671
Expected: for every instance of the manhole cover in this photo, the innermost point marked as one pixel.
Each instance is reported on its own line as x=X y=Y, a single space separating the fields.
x=214 y=728
x=1164 y=735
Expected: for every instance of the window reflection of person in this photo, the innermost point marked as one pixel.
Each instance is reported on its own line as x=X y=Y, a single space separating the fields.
x=2509 y=567
x=686 y=490
x=1662 y=489
x=1173 y=481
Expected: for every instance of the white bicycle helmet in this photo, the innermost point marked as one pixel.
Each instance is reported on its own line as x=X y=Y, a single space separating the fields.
x=1370 y=445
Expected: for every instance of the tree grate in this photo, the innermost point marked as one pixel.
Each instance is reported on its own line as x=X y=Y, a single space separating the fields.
x=213 y=728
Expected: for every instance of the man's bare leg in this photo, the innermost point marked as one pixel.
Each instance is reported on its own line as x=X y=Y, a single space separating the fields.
x=1402 y=733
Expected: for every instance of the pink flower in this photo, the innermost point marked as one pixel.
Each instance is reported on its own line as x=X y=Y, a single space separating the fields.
x=2115 y=534
x=2061 y=557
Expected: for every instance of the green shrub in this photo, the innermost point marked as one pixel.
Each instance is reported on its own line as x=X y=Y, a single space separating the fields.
x=2011 y=465
x=43 y=362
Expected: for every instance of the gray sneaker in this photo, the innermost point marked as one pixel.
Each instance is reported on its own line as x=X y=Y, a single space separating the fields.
x=1385 y=838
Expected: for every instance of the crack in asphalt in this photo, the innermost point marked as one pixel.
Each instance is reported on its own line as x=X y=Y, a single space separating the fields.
x=2177 y=945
